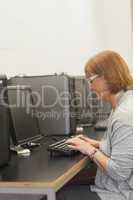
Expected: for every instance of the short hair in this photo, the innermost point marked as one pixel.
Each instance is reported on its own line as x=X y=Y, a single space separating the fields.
x=114 y=69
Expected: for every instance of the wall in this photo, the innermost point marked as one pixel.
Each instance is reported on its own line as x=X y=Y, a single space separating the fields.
x=118 y=28
x=47 y=36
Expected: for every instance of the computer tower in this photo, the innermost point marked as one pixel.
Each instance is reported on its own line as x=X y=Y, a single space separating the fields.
x=4 y=123
x=54 y=102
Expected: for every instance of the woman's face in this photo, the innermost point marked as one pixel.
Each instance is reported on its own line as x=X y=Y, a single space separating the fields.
x=98 y=85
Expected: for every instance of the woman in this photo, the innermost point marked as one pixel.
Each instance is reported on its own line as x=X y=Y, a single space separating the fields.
x=108 y=76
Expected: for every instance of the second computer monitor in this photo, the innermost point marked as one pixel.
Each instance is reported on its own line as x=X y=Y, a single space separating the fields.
x=24 y=124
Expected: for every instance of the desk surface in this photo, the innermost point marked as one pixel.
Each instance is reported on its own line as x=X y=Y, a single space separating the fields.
x=40 y=170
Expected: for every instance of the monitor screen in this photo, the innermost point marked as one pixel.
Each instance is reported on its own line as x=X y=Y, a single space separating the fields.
x=24 y=124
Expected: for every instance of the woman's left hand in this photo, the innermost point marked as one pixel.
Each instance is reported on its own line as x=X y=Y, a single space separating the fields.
x=80 y=145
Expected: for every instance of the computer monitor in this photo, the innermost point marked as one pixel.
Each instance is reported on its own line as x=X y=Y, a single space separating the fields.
x=54 y=108
x=4 y=123
x=24 y=125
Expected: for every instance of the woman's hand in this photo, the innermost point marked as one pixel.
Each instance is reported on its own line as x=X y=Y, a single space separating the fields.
x=83 y=137
x=81 y=145
x=93 y=142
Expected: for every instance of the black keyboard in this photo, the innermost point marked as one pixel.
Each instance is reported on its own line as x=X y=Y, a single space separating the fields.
x=60 y=148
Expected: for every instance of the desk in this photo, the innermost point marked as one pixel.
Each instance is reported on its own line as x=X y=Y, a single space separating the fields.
x=40 y=174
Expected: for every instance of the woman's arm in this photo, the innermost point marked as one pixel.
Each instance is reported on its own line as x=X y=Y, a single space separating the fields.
x=100 y=159
x=119 y=165
x=88 y=149
x=95 y=143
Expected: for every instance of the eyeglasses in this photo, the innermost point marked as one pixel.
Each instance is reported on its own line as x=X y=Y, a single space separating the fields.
x=92 y=78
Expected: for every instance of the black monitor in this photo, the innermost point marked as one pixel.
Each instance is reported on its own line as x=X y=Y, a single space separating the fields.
x=53 y=95
x=4 y=123
x=24 y=124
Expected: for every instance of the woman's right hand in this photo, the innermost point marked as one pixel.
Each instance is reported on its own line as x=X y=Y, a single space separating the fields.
x=83 y=137
x=93 y=142
x=81 y=145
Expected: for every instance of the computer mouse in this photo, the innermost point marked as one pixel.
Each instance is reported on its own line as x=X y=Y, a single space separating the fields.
x=24 y=152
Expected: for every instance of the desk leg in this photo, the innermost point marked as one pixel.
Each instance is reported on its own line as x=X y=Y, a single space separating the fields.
x=44 y=197
x=51 y=195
